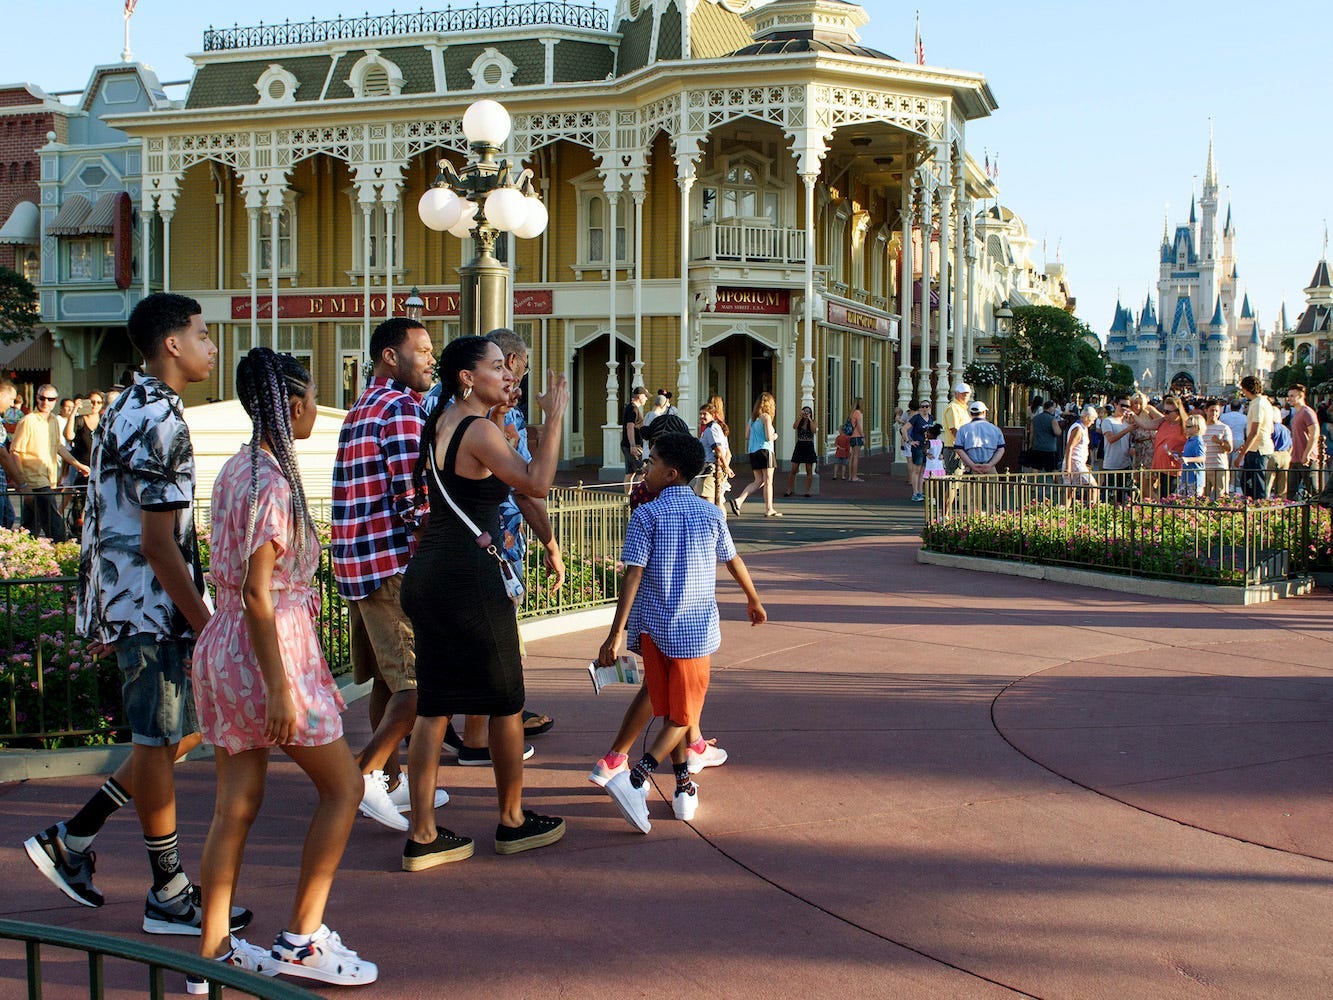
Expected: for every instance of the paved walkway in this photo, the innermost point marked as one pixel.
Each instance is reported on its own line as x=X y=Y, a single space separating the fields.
x=941 y=785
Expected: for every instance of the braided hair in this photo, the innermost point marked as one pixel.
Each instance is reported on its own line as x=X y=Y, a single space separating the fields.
x=459 y=355
x=265 y=383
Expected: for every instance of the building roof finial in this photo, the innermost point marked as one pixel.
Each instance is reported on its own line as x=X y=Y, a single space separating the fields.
x=1210 y=171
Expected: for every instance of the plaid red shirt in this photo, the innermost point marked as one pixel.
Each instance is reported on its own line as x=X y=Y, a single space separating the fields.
x=374 y=513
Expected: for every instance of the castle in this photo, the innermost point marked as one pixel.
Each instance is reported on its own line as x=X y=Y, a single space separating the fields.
x=1194 y=337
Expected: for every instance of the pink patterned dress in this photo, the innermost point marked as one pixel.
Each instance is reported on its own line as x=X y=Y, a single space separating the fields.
x=228 y=683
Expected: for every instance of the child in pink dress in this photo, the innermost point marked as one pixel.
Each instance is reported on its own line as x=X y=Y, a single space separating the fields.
x=260 y=681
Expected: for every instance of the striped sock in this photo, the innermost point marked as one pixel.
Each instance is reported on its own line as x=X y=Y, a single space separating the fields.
x=164 y=858
x=88 y=821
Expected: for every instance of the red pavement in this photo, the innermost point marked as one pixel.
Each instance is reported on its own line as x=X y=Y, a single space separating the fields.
x=941 y=785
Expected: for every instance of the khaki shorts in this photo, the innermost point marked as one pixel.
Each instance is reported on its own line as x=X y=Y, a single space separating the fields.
x=383 y=646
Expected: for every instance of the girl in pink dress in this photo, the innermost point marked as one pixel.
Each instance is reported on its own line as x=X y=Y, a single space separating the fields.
x=260 y=681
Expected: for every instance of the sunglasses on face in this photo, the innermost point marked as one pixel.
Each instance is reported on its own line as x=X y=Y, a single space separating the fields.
x=48 y=399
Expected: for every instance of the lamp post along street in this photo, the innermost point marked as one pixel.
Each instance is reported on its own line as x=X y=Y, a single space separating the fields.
x=1004 y=318
x=483 y=200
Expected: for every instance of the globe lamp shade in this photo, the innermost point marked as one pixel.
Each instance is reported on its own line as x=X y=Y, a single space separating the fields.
x=486 y=122
x=535 y=224
x=439 y=208
x=467 y=220
x=506 y=209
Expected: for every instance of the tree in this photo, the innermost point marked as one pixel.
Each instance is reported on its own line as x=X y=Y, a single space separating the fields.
x=1059 y=341
x=18 y=306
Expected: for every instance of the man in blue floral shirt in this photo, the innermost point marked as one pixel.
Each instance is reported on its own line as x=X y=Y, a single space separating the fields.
x=141 y=596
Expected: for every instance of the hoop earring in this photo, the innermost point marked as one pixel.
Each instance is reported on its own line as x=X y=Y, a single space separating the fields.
x=467 y=392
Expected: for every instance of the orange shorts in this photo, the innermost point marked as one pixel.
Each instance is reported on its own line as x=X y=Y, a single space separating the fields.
x=675 y=687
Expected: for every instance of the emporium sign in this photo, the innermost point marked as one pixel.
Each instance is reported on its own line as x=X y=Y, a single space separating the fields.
x=351 y=305
x=859 y=320
x=752 y=301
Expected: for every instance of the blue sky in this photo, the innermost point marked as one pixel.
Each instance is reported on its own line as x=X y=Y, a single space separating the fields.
x=1103 y=118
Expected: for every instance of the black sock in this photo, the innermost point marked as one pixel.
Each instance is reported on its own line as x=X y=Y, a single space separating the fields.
x=164 y=858
x=682 y=772
x=80 y=831
x=639 y=774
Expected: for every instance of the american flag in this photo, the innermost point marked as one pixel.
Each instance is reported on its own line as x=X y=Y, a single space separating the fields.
x=129 y=8
x=920 y=45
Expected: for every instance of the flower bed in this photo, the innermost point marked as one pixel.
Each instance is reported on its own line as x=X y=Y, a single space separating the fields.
x=1230 y=543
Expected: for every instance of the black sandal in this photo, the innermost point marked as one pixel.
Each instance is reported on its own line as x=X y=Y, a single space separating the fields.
x=538 y=729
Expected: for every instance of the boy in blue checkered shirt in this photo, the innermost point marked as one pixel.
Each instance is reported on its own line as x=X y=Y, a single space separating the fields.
x=668 y=611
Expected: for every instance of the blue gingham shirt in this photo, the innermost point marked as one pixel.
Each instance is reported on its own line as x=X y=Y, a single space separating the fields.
x=678 y=539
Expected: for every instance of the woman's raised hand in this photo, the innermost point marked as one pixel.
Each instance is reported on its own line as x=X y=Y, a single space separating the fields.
x=555 y=400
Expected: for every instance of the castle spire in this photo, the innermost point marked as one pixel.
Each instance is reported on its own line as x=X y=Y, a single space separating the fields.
x=1210 y=171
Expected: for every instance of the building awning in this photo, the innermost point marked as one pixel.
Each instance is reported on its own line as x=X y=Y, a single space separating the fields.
x=23 y=225
x=71 y=217
x=101 y=219
x=31 y=354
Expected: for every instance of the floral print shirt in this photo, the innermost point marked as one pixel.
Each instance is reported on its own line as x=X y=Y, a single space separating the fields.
x=142 y=460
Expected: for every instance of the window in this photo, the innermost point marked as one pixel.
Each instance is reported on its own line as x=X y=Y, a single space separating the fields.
x=32 y=265
x=742 y=194
x=597 y=227
x=378 y=238
x=855 y=390
x=837 y=249
x=81 y=264
x=108 y=248
x=833 y=395
x=286 y=256
x=298 y=341
x=875 y=401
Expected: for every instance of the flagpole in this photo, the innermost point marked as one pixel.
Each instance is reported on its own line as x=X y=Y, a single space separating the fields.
x=127 y=56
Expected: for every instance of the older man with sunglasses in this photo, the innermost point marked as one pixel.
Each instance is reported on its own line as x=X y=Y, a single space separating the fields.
x=38 y=448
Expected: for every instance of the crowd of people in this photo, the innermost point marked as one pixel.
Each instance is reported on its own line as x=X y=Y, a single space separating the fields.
x=430 y=485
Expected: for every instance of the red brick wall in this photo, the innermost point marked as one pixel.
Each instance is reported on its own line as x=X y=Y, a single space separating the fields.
x=22 y=133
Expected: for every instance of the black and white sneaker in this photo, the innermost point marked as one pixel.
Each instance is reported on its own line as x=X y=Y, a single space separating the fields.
x=182 y=914
x=69 y=871
x=481 y=756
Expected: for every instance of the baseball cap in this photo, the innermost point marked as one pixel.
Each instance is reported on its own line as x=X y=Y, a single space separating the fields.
x=961 y=387
x=976 y=406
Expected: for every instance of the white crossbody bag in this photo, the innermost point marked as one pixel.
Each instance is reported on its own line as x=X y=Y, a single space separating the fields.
x=513 y=584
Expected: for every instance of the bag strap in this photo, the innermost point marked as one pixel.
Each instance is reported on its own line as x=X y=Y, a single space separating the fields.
x=483 y=538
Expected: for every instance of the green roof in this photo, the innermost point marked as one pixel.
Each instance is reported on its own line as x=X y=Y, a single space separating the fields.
x=581 y=61
x=636 y=40
x=231 y=84
x=669 y=34
x=528 y=55
x=413 y=61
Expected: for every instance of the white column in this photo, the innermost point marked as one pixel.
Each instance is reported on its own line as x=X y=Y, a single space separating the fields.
x=684 y=383
x=971 y=290
x=809 y=179
x=639 y=194
x=146 y=247
x=274 y=260
x=923 y=366
x=366 y=197
x=959 y=314
x=612 y=205
x=390 y=198
x=252 y=205
x=166 y=247
x=906 y=281
x=942 y=386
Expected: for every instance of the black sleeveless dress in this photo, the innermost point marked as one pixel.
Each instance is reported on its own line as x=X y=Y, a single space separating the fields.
x=466 y=627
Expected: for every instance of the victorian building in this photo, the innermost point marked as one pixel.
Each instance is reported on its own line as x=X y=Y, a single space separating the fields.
x=738 y=195
x=1196 y=335
x=1312 y=338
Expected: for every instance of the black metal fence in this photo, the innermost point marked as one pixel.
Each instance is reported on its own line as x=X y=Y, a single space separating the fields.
x=447 y=21
x=1109 y=522
x=154 y=960
x=53 y=692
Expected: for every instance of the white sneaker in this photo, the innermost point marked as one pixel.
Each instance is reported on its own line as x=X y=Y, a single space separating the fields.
x=686 y=804
x=243 y=955
x=711 y=757
x=325 y=958
x=401 y=797
x=632 y=802
x=376 y=804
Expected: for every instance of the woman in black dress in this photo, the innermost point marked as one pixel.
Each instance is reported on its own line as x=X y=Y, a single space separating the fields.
x=465 y=624
x=804 y=451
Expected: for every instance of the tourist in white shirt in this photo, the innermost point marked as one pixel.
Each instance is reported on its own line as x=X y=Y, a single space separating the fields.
x=1218 y=444
x=1257 y=448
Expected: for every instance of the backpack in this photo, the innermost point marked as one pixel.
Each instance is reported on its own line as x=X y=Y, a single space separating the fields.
x=847 y=427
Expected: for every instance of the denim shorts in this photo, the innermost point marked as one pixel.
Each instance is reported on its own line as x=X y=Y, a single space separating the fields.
x=155 y=684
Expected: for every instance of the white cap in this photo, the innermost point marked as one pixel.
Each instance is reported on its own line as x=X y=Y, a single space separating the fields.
x=961 y=387
x=976 y=406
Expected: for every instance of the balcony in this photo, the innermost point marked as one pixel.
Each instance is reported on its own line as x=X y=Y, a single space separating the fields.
x=747 y=243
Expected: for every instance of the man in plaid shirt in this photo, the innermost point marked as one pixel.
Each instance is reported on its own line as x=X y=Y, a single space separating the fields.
x=374 y=531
